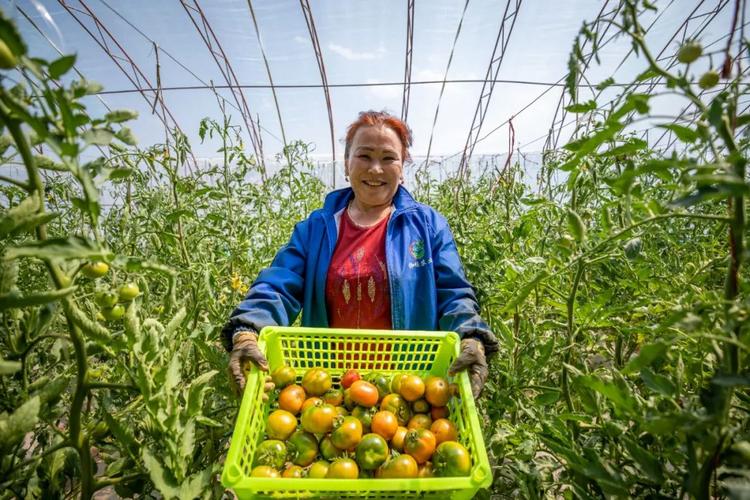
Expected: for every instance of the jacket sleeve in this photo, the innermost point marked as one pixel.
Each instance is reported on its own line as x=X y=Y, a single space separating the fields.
x=275 y=298
x=457 y=305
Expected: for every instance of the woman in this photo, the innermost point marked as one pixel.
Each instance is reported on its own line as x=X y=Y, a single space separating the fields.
x=372 y=257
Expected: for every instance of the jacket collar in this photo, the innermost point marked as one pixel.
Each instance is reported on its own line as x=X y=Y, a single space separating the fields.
x=339 y=199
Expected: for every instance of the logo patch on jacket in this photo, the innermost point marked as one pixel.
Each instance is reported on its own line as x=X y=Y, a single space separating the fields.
x=416 y=249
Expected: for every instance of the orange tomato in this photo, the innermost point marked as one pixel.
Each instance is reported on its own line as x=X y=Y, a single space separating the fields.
x=444 y=430
x=419 y=421
x=397 y=441
x=364 y=393
x=420 y=444
x=280 y=424
x=310 y=402
x=438 y=412
x=384 y=423
x=412 y=387
x=437 y=391
x=291 y=399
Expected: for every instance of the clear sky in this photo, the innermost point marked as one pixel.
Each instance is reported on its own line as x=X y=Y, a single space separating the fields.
x=362 y=42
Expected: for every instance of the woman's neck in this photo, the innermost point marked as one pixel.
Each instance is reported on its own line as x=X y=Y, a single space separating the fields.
x=368 y=215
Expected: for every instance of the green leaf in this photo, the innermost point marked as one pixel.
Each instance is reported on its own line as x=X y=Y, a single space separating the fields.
x=13 y=300
x=173 y=373
x=161 y=479
x=576 y=226
x=98 y=136
x=121 y=115
x=582 y=107
x=61 y=66
x=19 y=214
x=631 y=146
x=187 y=444
x=609 y=390
x=14 y=427
x=524 y=291
x=120 y=173
x=547 y=398
x=9 y=367
x=604 y=84
x=74 y=247
x=9 y=34
x=126 y=136
x=124 y=436
x=658 y=383
x=209 y=422
x=196 y=484
x=647 y=355
x=685 y=134
x=731 y=380
x=646 y=461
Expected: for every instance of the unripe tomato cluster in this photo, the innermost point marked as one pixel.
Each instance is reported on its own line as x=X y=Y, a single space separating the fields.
x=372 y=426
x=107 y=300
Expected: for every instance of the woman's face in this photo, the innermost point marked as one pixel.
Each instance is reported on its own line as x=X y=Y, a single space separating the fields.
x=374 y=166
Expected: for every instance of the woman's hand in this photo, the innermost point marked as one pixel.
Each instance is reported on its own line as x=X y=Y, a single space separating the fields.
x=472 y=357
x=244 y=350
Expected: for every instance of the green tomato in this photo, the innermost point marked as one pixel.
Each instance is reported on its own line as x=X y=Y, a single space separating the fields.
x=129 y=291
x=272 y=453
x=689 y=52
x=95 y=269
x=451 y=459
x=709 y=79
x=113 y=313
x=303 y=448
x=372 y=451
x=105 y=299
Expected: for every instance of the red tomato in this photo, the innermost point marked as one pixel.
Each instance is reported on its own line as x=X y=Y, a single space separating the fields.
x=349 y=377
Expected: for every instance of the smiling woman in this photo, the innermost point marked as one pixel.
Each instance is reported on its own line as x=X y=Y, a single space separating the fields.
x=371 y=257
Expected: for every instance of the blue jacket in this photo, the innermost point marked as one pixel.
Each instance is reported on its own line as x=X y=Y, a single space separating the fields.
x=428 y=288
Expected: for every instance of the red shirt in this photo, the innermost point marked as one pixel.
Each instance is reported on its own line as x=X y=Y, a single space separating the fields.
x=357 y=289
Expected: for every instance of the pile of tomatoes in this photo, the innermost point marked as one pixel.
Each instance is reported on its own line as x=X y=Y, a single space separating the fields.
x=370 y=427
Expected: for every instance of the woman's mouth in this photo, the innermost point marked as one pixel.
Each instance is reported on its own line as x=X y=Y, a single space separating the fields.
x=373 y=183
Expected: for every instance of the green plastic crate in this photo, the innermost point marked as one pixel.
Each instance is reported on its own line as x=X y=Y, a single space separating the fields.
x=422 y=353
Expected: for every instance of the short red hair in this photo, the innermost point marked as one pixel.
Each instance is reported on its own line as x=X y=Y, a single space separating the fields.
x=374 y=118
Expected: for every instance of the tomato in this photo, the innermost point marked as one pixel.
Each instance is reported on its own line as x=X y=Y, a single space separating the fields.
x=689 y=52
x=380 y=381
x=709 y=79
x=343 y=468
x=311 y=402
x=397 y=441
x=419 y=421
x=318 y=470
x=128 y=291
x=349 y=377
x=412 y=387
x=451 y=459
x=444 y=430
x=420 y=406
x=420 y=444
x=364 y=393
x=371 y=451
x=349 y=404
x=334 y=397
x=365 y=416
x=437 y=391
x=318 y=419
x=283 y=376
x=264 y=471
x=95 y=269
x=272 y=453
x=341 y=411
x=329 y=450
x=396 y=382
x=347 y=433
x=398 y=406
x=105 y=299
x=316 y=381
x=303 y=448
x=384 y=423
x=114 y=313
x=438 y=412
x=294 y=471
x=280 y=424
x=291 y=399
x=425 y=470
x=400 y=466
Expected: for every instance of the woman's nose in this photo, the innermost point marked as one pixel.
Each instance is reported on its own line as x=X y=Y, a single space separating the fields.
x=376 y=166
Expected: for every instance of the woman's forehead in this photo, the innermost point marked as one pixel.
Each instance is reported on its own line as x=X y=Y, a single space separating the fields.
x=376 y=137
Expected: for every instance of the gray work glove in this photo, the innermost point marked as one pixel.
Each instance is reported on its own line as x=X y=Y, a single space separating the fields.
x=472 y=357
x=244 y=350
